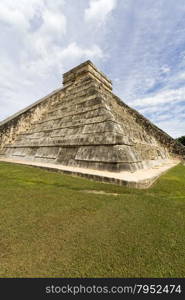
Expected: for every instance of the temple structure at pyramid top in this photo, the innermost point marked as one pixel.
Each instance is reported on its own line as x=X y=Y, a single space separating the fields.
x=84 y=125
x=87 y=69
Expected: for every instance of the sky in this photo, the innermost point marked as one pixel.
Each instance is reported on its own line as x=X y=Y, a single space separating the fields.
x=138 y=44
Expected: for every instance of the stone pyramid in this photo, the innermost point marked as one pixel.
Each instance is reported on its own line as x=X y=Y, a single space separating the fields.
x=85 y=125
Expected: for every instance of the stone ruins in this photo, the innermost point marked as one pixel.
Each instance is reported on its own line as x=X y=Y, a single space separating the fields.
x=84 y=126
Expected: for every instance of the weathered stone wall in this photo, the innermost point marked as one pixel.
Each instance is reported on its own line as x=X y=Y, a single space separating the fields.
x=85 y=125
x=147 y=131
x=11 y=127
x=152 y=130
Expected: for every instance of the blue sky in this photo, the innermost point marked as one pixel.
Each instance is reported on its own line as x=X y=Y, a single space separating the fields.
x=139 y=44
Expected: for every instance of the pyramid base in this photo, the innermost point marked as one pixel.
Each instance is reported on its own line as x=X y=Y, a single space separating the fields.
x=141 y=179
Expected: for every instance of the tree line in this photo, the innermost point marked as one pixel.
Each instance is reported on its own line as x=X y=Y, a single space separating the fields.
x=181 y=140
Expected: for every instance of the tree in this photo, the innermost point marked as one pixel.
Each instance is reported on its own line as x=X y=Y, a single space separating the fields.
x=181 y=140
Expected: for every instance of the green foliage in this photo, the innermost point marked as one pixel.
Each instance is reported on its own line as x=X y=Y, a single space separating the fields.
x=181 y=140
x=55 y=225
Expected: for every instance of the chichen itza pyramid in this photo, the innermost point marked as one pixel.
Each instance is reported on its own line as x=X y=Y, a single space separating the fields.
x=83 y=128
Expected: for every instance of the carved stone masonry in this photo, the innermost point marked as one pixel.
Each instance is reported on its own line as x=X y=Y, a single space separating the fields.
x=85 y=125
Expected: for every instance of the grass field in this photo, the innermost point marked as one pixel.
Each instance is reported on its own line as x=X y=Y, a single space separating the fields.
x=54 y=225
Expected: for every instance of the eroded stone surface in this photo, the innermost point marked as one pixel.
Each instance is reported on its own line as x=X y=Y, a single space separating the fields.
x=85 y=125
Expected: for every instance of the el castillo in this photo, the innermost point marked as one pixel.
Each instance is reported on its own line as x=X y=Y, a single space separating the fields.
x=89 y=187
x=84 y=129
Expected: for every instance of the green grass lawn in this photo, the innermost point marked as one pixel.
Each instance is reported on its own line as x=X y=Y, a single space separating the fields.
x=52 y=225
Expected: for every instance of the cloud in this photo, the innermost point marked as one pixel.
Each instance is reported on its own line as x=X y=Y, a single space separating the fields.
x=138 y=44
x=174 y=127
x=166 y=96
x=165 y=69
x=73 y=50
x=34 y=75
x=35 y=51
x=98 y=10
x=53 y=23
x=60 y=59
x=19 y=13
x=148 y=46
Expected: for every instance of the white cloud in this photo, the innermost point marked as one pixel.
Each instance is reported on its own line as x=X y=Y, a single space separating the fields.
x=73 y=50
x=142 y=46
x=19 y=13
x=53 y=23
x=165 y=69
x=166 y=96
x=59 y=58
x=173 y=127
x=98 y=10
x=35 y=51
